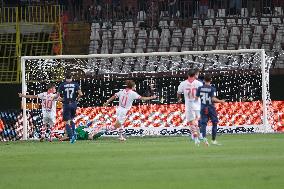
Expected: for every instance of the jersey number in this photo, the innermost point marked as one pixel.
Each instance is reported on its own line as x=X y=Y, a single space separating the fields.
x=205 y=98
x=191 y=93
x=47 y=104
x=123 y=101
x=69 y=92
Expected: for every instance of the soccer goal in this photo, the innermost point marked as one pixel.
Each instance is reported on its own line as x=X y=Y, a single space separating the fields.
x=240 y=76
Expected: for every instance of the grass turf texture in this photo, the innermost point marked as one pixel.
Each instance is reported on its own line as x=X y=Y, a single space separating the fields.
x=244 y=161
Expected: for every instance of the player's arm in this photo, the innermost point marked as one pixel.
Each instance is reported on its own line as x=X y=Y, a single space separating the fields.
x=110 y=100
x=148 y=97
x=179 y=92
x=179 y=97
x=27 y=96
x=80 y=94
x=216 y=100
x=59 y=91
x=197 y=95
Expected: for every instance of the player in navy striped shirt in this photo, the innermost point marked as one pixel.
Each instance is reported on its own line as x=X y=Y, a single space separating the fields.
x=70 y=92
x=207 y=95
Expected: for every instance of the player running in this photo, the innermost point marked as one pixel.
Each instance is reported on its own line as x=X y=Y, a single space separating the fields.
x=126 y=98
x=70 y=92
x=192 y=106
x=48 y=104
x=208 y=97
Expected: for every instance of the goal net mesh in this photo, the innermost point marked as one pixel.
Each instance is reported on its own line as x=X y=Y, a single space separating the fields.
x=238 y=78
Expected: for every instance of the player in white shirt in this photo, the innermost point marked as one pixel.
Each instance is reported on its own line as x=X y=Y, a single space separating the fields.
x=192 y=106
x=48 y=104
x=126 y=98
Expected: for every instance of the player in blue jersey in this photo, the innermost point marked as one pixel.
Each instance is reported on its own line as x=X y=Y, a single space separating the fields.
x=207 y=95
x=70 y=92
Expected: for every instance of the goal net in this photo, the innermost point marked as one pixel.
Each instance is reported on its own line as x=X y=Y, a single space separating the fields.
x=241 y=77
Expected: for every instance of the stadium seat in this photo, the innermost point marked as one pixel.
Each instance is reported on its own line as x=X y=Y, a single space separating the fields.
x=200 y=31
x=142 y=16
x=276 y=21
x=118 y=34
x=187 y=42
x=235 y=31
x=231 y=22
x=221 y=13
x=270 y=30
x=210 y=13
x=96 y=26
x=152 y=44
x=172 y=24
x=208 y=22
x=128 y=50
x=174 y=49
x=175 y=42
x=246 y=30
x=165 y=33
x=245 y=40
x=163 y=24
x=128 y=25
x=106 y=35
x=130 y=34
x=258 y=30
x=212 y=31
x=278 y=11
x=219 y=22
x=164 y=43
x=264 y=21
x=118 y=26
x=242 y=22
x=188 y=33
x=117 y=44
x=253 y=21
x=154 y=34
x=223 y=32
x=196 y=23
x=141 y=43
x=267 y=38
x=177 y=33
x=129 y=43
x=210 y=40
x=244 y=12
x=142 y=34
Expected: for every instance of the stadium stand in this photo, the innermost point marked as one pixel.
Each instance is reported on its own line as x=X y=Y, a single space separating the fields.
x=219 y=29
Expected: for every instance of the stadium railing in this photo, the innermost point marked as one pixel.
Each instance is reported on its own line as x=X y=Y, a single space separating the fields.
x=24 y=31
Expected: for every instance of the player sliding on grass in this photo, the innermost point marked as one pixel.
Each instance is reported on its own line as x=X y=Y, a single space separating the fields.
x=71 y=93
x=126 y=98
x=208 y=97
x=48 y=104
x=192 y=106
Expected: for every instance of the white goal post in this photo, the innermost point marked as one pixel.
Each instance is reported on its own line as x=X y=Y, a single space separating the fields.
x=264 y=73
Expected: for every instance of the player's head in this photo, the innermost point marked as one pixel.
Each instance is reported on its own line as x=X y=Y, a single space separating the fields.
x=68 y=75
x=207 y=79
x=130 y=84
x=193 y=73
x=51 y=88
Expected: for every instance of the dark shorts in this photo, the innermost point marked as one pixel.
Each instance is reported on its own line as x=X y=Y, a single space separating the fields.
x=207 y=113
x=69 y=111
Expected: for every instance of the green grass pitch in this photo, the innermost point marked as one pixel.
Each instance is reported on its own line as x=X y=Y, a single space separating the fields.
x=243 y=161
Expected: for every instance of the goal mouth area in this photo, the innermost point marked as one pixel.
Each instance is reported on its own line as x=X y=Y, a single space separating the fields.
x=238 y=75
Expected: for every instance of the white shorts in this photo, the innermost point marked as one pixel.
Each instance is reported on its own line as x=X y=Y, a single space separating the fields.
x=121 y=114
x=191 y=114
x=49 y=119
